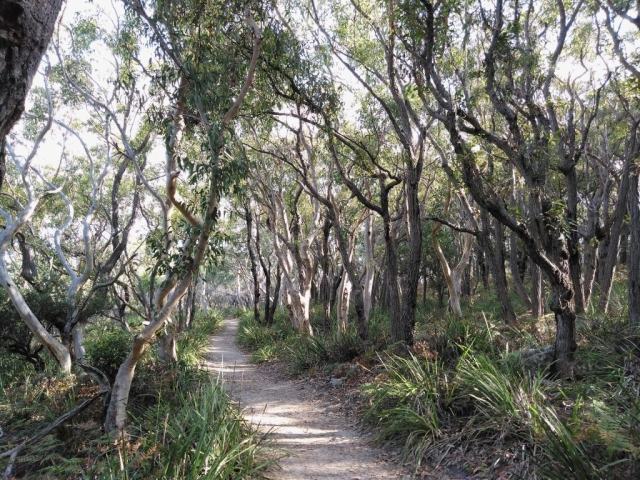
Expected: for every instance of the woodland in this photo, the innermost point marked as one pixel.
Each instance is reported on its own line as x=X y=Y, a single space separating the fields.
x=436 y=200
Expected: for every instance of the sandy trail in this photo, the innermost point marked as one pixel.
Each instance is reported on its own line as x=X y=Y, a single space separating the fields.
x=321 y=442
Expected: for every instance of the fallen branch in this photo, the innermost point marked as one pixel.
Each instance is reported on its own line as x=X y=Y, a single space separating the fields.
x=15 y=451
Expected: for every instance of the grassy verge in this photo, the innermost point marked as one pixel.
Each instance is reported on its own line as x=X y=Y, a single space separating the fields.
x=182 y=422
x=471 y=392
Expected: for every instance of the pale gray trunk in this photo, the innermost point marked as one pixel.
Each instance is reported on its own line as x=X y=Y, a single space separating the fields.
x=78 y=343
x=344 y=299
x=167 y=346
x=59 y=352
x=369 y=266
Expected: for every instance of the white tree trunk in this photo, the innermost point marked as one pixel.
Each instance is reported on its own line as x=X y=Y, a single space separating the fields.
x=344 y=299
x=78 y=343
x=57 y=349
x=369 y=265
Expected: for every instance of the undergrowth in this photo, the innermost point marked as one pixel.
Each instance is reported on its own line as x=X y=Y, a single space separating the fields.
x=465 y=391
x=182 y=423
x=472 y=389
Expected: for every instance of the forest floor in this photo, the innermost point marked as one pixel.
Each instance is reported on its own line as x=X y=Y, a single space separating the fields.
x=315 y=438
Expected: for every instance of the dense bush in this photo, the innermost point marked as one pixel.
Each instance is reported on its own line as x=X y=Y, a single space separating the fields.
x=107 y=350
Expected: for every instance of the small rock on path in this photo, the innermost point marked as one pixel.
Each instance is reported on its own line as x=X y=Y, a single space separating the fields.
x=322 y=445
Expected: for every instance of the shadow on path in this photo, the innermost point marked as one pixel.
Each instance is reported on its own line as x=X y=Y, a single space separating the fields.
x=322 y=444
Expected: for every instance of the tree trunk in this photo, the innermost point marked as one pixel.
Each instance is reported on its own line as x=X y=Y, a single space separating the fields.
x=624 y=244
x=369 y=266
x=353 y=285
x=609 y=266
x=325 y=283
x=495 y=256
x=26 y=27
x=634 y=252
x=537 y=290
x=453 y=277
x=573 y=243
x=254 y=264
x=276 y=296
x=59 y=352
x=414 y=243
x=515 y=272
x=565 y=345
x=116 y=416
x=167 y=346
x=342 y=308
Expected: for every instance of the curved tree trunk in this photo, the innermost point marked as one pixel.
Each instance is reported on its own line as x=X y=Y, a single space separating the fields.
x=453 y=277
x=57 y=349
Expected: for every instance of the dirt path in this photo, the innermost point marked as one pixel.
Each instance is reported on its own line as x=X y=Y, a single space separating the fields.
x=321 y=442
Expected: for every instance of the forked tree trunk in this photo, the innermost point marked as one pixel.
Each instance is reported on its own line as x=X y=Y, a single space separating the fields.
x=453 y=277
x=167 y=345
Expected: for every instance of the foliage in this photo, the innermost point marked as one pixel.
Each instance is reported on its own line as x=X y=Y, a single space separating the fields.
x=108 y=349
x=194 y=432
x=487 y=403
x=174 y=407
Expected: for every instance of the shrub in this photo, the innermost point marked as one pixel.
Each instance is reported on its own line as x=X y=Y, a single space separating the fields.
x=108 y=350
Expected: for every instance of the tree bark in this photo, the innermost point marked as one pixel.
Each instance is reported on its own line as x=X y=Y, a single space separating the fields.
x=515 y=271
x=414 y=241
x=609 y=266
x=369 y=267
x=59 y=352
x=26 y=27
x=495 y=256
x=537 y=290
x=254 y=264
x=634 y=252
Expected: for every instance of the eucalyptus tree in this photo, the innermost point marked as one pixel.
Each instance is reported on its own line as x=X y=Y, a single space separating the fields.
x=315 y=175
x=26 y=27
x=210 y=50
x=376 y=62
x=488 y=78
x=453 y=276
x=622 y=21
x=282 y=201
x=39 y=183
